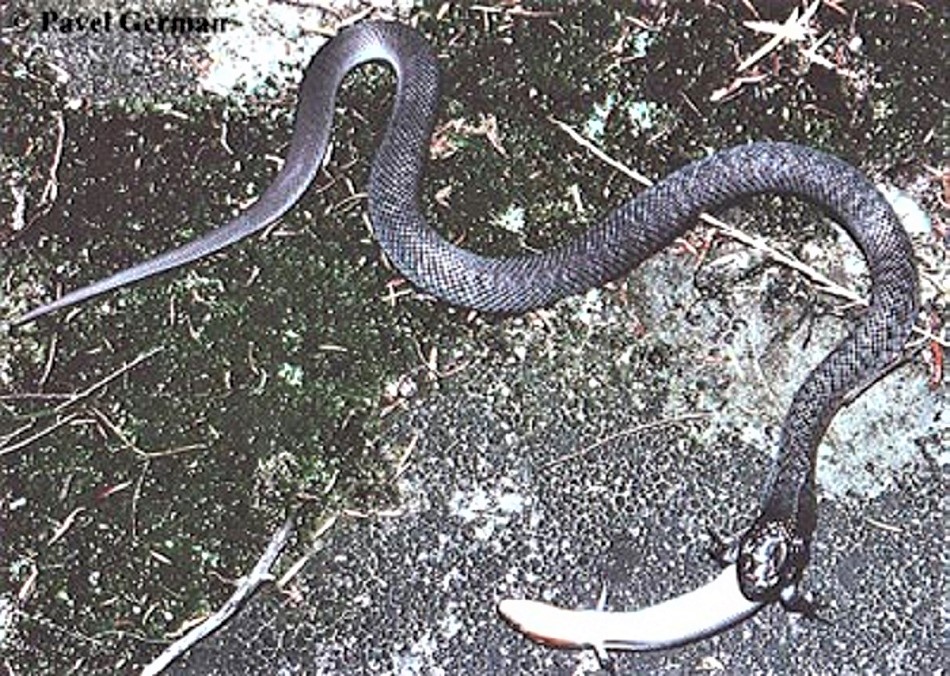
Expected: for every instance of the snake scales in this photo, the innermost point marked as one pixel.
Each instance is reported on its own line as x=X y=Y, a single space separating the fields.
x=773 y=553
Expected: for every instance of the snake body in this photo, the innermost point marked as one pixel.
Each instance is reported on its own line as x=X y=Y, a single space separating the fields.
x=773 y=553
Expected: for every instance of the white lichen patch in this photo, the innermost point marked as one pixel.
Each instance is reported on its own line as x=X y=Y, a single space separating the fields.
x=292 y=374
x=912 y=216
x=870 y=442
x=487 y=510
x=867 y=444
x=418 y=658
x=597 y=120
x=511 y=219
x=271 y=42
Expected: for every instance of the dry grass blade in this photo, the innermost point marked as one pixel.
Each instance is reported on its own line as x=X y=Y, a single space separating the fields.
x=248 y=585
x=23 y=443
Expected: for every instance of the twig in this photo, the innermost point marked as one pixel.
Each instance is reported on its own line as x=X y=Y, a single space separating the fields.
x=125 y=368
x=73 y=399
x=298 y=565
x=258 y=575
x=356 y=18
x=223 y=139
x=515 y=11
x=64 y=527
x=50 y=360
x=51 y=189
x=130 y=445
x=12 y=448
x=136 y=496
x=14 y=434
x=884 y=526
x=49 y=624
x=656 y=424
x=22 y=396
x=795 y=29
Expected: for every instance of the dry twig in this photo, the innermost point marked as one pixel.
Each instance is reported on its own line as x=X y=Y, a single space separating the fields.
x=23 y=443
x=248 y=585
x=72 y=401
x=98 y=385
x=795 y=29
x=645 y=427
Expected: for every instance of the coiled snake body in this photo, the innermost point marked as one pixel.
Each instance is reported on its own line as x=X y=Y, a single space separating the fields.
x=773 y=553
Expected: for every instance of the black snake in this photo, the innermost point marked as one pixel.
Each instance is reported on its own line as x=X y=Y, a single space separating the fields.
x=772 y=554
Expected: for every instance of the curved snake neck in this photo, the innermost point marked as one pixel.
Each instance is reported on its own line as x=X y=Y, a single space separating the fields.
x=773 y=553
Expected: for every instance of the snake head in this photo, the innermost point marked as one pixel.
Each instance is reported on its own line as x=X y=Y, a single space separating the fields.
x=772 y=558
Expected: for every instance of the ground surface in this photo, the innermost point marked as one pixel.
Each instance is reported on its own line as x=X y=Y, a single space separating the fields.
x=461 y=459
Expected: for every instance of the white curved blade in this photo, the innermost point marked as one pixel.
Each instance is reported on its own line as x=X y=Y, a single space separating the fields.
x=682 y=619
